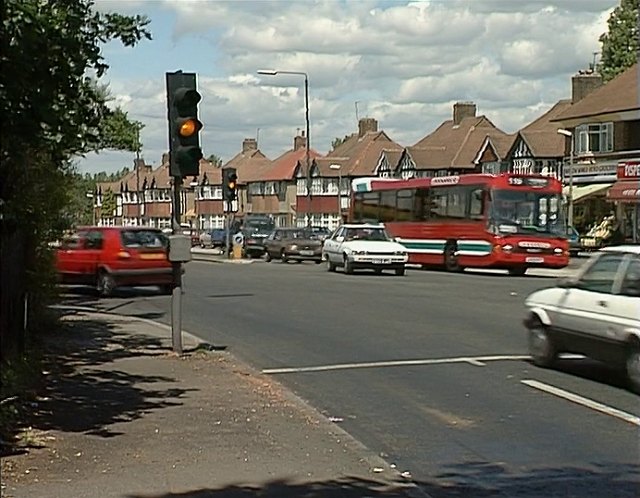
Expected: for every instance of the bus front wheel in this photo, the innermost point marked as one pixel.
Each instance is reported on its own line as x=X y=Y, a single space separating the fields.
x=451 y=258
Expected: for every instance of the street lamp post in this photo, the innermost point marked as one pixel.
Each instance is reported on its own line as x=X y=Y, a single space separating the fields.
x=569 y=134
x=273 y=72
x=336 y=167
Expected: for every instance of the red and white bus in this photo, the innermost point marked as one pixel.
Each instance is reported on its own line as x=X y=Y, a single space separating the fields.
x=506 y=221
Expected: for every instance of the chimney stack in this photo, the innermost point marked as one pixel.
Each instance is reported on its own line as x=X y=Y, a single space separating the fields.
x=366 y=125
x=299 y=142
x=165 y=158
x=463 y=110
x=583 y=83
x=249 y=144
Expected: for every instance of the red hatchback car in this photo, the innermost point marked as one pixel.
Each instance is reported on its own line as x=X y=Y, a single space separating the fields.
x=109 y=257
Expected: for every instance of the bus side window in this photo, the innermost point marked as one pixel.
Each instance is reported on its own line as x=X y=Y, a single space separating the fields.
x=357 y=207
x=387 y=206
x=476 y=203
x=438 y=203
x=370 y=206
x=405 y=205
x=421 y=205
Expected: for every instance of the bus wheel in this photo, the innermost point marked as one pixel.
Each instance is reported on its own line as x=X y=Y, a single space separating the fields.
x=517 y=271
x=450 y=258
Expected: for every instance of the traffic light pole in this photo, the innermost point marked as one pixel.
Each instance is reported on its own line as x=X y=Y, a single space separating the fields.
x=176 y=293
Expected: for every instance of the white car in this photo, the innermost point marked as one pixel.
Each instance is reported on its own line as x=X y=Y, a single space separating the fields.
x=596 y=313
x=361 y=246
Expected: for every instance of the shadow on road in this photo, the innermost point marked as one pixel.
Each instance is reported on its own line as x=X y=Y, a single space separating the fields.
x=468 y=480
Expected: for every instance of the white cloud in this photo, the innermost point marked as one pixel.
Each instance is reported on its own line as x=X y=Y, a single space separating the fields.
x=405 y=63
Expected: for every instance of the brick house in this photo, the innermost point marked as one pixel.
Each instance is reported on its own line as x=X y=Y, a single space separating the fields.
x=271 y=188
x=357 y=156
x=605 y=139
x=452 y=148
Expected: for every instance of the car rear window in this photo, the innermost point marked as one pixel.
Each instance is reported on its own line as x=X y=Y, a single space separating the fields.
x=143 y=238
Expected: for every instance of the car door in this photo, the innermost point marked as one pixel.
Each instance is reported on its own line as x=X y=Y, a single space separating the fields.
x=624 y=305
x=68 y=257
x=585 y=308
x=332 y=246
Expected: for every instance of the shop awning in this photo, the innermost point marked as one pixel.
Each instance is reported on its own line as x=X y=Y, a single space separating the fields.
x=581 y=192
x=625 y=191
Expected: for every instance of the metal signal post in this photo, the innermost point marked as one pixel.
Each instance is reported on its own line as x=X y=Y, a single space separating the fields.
x=184 y=160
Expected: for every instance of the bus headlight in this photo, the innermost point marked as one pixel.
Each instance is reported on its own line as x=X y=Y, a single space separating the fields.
x=507 y=248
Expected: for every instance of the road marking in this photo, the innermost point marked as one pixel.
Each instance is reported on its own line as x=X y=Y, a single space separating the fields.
x=475 y=360
x=580 y=400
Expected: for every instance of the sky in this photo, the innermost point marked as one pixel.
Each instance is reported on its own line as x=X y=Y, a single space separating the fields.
x=404 y=63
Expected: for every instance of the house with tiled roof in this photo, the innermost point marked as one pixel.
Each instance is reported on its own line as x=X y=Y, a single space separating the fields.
x=248 y=163
x=535 y=149
x=603 y=144
x=271 y=189
x=452 y=148
x=327 y=202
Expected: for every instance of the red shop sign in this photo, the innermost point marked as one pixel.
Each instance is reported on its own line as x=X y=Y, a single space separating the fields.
x=630 y=169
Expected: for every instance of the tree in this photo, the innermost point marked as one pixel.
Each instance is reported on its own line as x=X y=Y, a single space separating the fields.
x=620 y=44
x=52 y=109
x=337 y=142
x=215 y=160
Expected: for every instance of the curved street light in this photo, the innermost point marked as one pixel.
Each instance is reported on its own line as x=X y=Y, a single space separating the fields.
x=274 y=72
x=567 y=133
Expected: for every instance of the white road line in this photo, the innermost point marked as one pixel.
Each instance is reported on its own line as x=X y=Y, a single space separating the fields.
x=580 y=400
x=476 y=360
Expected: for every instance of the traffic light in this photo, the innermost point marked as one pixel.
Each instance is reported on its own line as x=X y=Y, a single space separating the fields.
x=184 y=126
x=229 y=184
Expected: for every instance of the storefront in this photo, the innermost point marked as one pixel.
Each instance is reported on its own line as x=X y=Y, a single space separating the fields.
x=625 y=193
x=591 y=181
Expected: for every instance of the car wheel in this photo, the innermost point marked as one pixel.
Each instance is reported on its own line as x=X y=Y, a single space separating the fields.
x=330 y=265
x=633 y=367
x=283 y=257
x=400 y=272
x=105 y=283
x=451 y=258
x=348 y=265
x=541 y=347
x=517 y=271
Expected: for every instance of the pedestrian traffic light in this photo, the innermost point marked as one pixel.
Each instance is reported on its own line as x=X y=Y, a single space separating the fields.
x=229 y=184
x=184 y=126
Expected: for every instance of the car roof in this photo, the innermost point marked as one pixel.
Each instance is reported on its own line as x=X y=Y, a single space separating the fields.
x=634 y=249
x=363 y=225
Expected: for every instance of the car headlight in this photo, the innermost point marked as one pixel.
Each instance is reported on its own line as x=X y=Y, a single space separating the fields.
x=293 y=247
x=400 y=253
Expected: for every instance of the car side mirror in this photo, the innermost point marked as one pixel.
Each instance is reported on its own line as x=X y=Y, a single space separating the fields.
x=340 y=239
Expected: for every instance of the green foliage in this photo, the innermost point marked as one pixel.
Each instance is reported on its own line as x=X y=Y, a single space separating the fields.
x=109 y=204
x=215 y=160
x=337 y=142
x=53 y=108
x=620 y=44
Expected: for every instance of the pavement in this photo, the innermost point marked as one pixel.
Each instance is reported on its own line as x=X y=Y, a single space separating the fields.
x=120 y=415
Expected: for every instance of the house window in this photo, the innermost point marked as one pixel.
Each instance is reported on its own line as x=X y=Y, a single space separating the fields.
x=270 y=188
x=301 y=187
x=597 y=137
x=316 y=186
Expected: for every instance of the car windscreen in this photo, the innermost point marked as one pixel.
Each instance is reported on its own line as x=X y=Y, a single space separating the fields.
x=148 y=239
x=366 y=234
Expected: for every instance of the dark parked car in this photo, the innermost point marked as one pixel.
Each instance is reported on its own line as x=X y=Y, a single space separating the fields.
x=254 y=241
x=320 y=233
x=296 y=244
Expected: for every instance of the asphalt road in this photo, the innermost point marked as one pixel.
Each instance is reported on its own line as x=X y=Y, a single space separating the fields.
x=429 y=370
